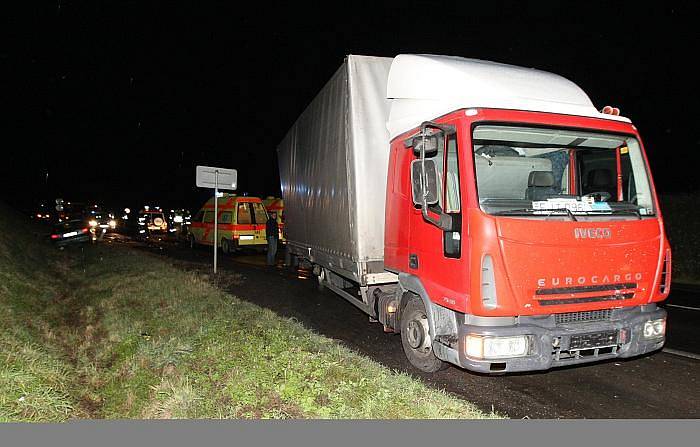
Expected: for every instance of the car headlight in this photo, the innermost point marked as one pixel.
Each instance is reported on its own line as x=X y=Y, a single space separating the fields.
x=654 y=328
x=92 y=223
x=482 y=347
x=113 y=224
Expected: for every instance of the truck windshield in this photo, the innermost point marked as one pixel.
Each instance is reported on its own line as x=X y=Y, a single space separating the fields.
x=536 y=171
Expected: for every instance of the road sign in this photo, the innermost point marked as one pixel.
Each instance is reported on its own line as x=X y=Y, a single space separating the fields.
x=210 y=177
x=217 y=178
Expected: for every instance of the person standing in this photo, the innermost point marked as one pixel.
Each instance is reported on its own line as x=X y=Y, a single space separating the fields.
x=272 y=233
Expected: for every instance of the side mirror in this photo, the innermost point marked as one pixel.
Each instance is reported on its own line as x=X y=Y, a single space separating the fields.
x=432 y=142
x=430 y=188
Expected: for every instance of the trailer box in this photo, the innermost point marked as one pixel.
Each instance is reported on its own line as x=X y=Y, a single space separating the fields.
x=333 y=169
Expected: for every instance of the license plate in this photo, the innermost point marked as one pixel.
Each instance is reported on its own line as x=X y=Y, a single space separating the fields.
x=247 y=237
x=71 y=234
x=593 y=340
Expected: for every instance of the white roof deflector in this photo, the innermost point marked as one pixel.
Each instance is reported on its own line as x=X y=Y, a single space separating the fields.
x=423 y=87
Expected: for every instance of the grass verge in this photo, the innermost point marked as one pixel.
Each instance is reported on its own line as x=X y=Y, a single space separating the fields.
x=113 y=333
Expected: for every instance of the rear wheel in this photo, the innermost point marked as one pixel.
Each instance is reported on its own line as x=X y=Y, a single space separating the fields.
x=290 y=260
x=415 y=337
x=225 y=246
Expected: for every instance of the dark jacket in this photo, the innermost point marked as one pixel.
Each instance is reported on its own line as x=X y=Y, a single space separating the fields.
x=271 y=228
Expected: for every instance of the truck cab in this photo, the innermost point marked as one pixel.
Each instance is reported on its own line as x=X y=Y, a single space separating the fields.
x=536 y=235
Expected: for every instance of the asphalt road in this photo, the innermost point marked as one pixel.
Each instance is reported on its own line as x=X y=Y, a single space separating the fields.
x=659 y=385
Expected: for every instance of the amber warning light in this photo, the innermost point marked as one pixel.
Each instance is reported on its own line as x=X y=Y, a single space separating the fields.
x=608 y=110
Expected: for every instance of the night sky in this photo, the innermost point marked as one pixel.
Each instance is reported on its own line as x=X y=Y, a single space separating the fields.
x=118 y=101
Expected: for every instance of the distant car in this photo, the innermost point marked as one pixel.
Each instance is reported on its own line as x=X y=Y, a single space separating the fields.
x=152 y=222
x=100 y=221
x=70 y=232
x=178 y=223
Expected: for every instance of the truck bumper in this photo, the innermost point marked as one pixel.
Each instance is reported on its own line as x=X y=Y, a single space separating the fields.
x=551 y=345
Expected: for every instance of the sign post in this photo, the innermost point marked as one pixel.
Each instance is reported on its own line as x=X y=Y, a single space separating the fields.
x=210 y=177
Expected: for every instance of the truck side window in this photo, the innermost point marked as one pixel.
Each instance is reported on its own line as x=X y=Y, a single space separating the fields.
x=452 y=240
x=452 y=199
x=209 y=217
x=244 y=216
x=439 y=162
x=225 y=217
x=199 y=216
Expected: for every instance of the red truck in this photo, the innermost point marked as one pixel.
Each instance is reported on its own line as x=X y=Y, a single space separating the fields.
x=488 y=213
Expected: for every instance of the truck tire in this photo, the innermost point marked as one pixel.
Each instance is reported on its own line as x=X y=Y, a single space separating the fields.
x=415 y=337
x=193 y=242
x=225 y=246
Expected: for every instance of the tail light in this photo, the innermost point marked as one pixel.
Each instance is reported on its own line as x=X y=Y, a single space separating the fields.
x=666 y=273
x=84 y=230
x=55 y=236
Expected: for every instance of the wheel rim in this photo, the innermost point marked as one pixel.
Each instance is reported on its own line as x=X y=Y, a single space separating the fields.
x=417 y=333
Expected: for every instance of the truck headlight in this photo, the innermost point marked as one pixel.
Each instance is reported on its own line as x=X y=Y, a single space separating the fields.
x=482 y=347
x=655 y=328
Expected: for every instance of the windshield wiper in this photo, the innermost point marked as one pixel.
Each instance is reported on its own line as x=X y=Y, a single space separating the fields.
x=571 y=215
x=634 y=211
x=531 y=211
x=523 y=211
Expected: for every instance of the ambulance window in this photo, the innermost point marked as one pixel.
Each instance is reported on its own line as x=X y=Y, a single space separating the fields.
x=209 y=217
x=244 y=214
x=260 y=214
x=225 y=217
x=199 y=216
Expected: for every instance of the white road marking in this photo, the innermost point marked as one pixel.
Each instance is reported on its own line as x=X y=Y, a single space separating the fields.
x=690 y=355
x=683 y=307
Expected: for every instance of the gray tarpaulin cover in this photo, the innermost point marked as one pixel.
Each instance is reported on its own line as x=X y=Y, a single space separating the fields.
x=333 y=164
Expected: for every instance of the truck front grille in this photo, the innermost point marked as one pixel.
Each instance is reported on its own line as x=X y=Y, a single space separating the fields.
x=586 y=289
x=587 y=299
x=583 y=317
x=583 y=294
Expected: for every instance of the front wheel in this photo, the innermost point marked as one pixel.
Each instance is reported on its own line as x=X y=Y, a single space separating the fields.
x=415 y=337
x=225 y=246
x=193 y=243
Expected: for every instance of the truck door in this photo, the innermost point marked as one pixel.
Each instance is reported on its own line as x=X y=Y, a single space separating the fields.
x=435 y=255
